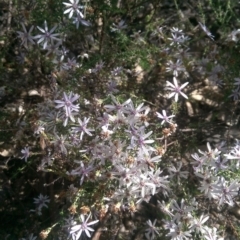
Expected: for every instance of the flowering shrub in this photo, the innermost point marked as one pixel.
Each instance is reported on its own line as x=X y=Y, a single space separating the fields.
x=105 y=141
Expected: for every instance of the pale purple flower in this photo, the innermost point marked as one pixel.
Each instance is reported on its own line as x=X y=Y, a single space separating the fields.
x=147 y=160
x=207 y=184
x=60 y=143
x=118 y=106
x=131 y=110
x=159 y=182
x=235 y=94
x=197 y=224
x=70 y=64
x=21 y=58
x=118 y=120
x=138 y=39
x=98 y=67
x=164 y=117
x=41 y=201
x=79 y=20
x=140 y=140
x=53 y=48
x=211 y=234
x=178 y=232
x=175 y=89
x=176 y=39
x=125 y=174
x=151 y=230
x=176 y=31
x=185 y=38
x=135 y=114
x=165 y=208
x=145 y=186
x=177 y=172
x=198 y=163
x=26 y=36
x=69 y=222
x=211 y=154
x=175 y=68
x=68 y=106
x=226 y=191
x=180 y=211
x=74 y=139
x=63 y=53
x=25 y=153
x=51 y=118
x=104 y=120
x=82 y=171
x=82 y=128
x=47 y=36
x=72 y=8
x=77 y=230
x=183 y=53
x=218 y=163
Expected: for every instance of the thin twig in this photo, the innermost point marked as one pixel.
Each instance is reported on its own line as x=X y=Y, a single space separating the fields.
x=9 y=18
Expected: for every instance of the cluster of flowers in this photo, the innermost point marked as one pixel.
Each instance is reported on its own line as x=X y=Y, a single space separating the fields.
x=53 y=42
x=130 y=166
x=50 y=41
x=207 y=167
x=117 y=148
x=183 y=223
